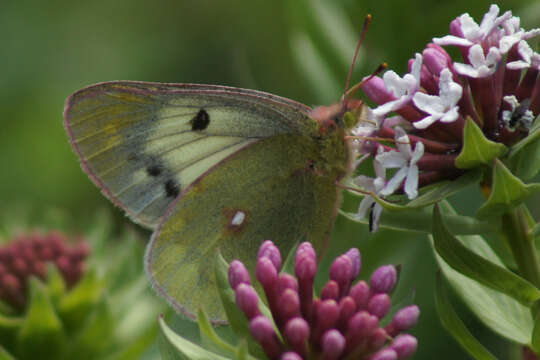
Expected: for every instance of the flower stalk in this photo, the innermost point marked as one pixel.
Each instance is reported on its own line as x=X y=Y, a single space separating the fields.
x=516 y=230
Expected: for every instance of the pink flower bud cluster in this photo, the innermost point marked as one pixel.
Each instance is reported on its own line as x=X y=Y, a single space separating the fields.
x=344 y=322
x=28 y=255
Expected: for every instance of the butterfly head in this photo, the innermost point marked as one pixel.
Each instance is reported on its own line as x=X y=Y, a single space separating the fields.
x=344 y=115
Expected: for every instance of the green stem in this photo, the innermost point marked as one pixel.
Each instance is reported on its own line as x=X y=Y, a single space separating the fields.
x=515 y=227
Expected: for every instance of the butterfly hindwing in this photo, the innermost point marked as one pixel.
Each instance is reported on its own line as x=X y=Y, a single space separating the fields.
x=143 y=143
x=268 y=190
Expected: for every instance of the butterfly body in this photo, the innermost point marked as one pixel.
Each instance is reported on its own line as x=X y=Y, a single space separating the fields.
x=208 y=168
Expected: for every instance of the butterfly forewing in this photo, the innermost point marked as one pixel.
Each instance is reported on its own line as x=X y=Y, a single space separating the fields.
x=143 y=143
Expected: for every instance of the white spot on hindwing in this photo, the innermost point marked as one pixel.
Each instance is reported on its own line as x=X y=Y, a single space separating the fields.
x=238 y=218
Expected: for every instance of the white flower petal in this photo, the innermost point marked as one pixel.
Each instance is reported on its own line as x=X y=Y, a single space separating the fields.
x=512 y=101
x=378 y=184
x=394 y=83
x=389 y=106
x=425 y=122
x=469 y=27
x=365 y=182
x=416 y=67
x=518 y=65
x=380 y=171
x=452 y=40
x=418 y=152
x=428 y=103
x=466 y=70
x=411 y=184
x=391 y=159
x=364 y=206
x=476 y=56
x=451 y=115
x=507 y=41
x=395 y=182
x=449 y=91
x=493 y=57
x=376 y=217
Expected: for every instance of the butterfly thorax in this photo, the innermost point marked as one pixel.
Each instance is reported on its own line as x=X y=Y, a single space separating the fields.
x=331 y=130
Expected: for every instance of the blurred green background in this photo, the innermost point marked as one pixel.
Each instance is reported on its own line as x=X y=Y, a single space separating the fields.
x=298 y=49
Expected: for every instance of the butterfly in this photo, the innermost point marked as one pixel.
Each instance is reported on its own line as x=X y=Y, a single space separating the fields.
x=211 y=167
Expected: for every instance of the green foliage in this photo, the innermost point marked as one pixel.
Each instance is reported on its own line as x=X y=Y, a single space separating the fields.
x=62 y=323
x=507 y=192
x=476 y=267
x=454 y=325
x=525 y=155
x=499 y=312
x=477 y=149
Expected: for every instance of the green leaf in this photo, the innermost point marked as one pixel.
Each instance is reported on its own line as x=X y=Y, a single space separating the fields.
x=419 y=221
x=78 y=302
x=42 y=332
x=507 y=192
x=242 y=351
x=446 y=189
x=182 y=348
x=437 y=193
x=536 y=230
x=210 y=337
x=288 y=264
x=525 y=155
x=477 y=149
x=498 y=311
x=535 y=339
x=56 y=286
x=453 y=324
x=4 y=355
x=96 y=334
x=235 y=317
x=467 y=262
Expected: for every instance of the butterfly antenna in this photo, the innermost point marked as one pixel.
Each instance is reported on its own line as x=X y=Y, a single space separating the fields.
x=355 y=88
x=367 y=21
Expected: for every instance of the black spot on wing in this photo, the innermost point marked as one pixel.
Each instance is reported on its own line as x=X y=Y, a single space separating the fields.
x=172 y=188
x=154 y=170
x=200 y=121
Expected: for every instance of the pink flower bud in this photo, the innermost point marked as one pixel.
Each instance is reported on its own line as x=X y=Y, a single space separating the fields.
x=327 y=316
x=347 y=307
x=377 y=339
x=269 y=250
x=266 y=272
x=362 y=324
x=287 y=281
x=379 y=305
x=360 y=294
x=383 y=279
x=288 y=305
x=333 y=344
x=404 y=319
x=262 y=330
x=341 y=272
x=354 y=255
x=306 y=247
x=404 y=345
x=247 y=300
x=297 y=334
x=330 y=290
x=290 y=355
x=385 y=354
x=238 y=274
